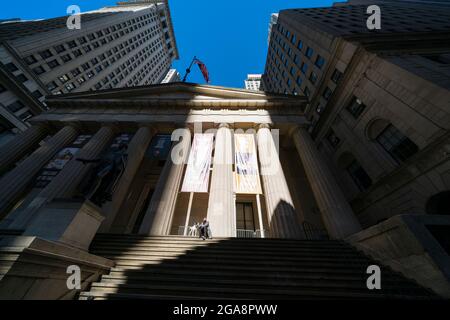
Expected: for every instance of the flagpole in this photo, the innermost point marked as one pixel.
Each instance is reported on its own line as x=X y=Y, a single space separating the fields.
x=188 y=70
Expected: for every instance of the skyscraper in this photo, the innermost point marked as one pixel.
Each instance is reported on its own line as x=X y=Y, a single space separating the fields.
x=273 y=21
x=130 y=44
x=172 y=76
x=253 y=82
x=378 y=100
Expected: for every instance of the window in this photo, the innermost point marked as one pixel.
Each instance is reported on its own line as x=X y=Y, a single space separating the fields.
x=293 y=39
x=307 y=92
x=299 y=81
x=75 y=72
x=77 y=53
x=292 y=71
x=81 y=79
x=60 y=48
x=313 y=77
x=319 y=62
x=356 y=107
x=25 y=116
x=304 y=67
x=309 y=52
x=336 y=76
x=39 y=70
x=53 y=64
x=359 y=175
x=64 y=78
x=37 y=94
x=11 y=67
x=30 y=60
x=46 y=54
x=51 y=85
x=300 y=44
x=72 y=44
x=22 y=78
x=333 y=139
x=70 y=86
x=327 y=93
x=396 y=144
x=16 y=106
x=319 y=108
x=66 y=58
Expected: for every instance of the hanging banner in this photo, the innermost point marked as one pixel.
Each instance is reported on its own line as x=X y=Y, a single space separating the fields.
x=246 y=162
x=196 y=177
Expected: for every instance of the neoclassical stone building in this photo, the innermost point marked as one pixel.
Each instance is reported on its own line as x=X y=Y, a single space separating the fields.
x=154 y=160
x=147 y=199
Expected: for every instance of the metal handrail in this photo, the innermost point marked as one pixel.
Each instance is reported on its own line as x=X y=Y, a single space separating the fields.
x=240 y=233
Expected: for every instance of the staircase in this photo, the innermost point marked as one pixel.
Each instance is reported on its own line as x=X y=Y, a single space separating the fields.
x=177 y=267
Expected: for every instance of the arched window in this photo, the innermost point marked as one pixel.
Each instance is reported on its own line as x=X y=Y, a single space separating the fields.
x=439 y=203
x=348 y=163
x=399 y=146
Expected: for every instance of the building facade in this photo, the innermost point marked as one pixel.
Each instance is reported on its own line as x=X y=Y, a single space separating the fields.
x=253 y=82
x=141 y=165
x=378 y=100
x=129 y=44
x=147 y=199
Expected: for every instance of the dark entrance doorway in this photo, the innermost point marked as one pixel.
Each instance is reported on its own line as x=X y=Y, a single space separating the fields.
x=245 y=220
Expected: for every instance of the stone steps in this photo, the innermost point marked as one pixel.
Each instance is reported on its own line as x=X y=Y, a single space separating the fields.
x=175 y=267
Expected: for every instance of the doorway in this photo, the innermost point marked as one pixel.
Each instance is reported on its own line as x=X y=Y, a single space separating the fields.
x=245 y=220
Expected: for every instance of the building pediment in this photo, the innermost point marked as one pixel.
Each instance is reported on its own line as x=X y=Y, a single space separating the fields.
x=180 y=94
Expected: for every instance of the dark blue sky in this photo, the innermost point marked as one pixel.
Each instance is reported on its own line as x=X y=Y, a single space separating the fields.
x=229 y=36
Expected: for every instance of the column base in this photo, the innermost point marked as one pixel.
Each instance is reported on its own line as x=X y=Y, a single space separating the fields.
x=38 y=269
x=74 y=223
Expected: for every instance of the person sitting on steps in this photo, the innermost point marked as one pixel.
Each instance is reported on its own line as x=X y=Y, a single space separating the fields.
x=204 y=229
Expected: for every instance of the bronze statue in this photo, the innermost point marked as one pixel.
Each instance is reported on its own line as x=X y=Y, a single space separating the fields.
x=105 y=175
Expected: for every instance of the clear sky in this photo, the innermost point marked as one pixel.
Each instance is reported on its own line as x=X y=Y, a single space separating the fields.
x=229 y=36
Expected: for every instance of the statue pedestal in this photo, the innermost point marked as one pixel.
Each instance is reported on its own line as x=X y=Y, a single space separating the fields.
x=74 y=223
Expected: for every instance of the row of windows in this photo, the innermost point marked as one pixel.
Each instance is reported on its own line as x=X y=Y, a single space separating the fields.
x=280 y=50
x=100 y=63
x=140 y=38
x=105 y=36
x=394 y=142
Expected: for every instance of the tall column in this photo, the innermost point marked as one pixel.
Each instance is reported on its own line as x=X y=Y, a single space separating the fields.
x=337 y=214
x=158 y=218
x=136 y=152
x=20 y=145
x=65 y=184
x=281 y=213
x=221 y=204
x=16 y=181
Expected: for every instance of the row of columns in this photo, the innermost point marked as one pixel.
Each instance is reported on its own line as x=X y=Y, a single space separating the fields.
x=336 y=212
x=13 y=183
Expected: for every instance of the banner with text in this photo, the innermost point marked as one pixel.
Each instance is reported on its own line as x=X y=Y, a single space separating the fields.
x=247 y=174
x=196 y=177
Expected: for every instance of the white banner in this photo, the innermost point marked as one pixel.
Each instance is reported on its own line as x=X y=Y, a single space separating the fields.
x=247 y=173
x=196 y=177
